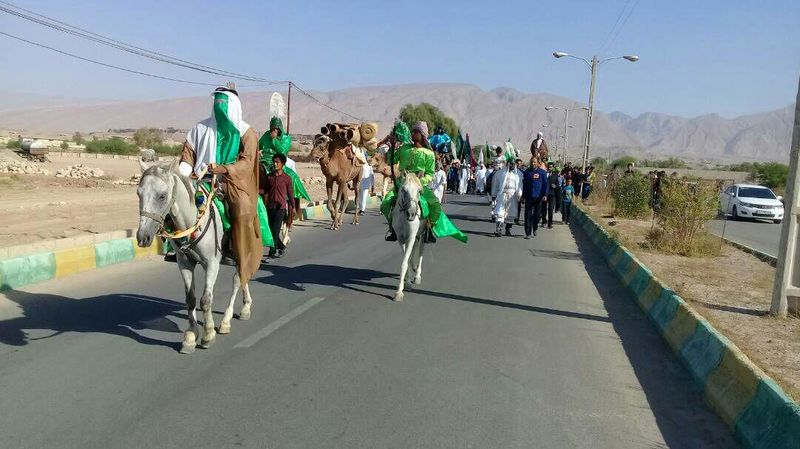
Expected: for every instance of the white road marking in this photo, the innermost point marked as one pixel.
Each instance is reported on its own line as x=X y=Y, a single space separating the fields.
x=277 y=324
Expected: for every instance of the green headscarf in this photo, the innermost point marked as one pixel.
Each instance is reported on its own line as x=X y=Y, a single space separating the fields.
x=276 y=122
x=227 y=135
x=401 y=132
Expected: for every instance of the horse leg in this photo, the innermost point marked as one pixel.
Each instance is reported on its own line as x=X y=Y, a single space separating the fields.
x=209 y=334
x=190 y=334
x=408 y=248
x=418 y=270
x=225 y=324
x=244 y=315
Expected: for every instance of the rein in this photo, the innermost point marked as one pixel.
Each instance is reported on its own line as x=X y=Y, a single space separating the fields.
x=186 y=232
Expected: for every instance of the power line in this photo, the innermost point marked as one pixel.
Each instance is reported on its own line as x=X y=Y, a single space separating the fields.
x=610 y=32
x=105 y=64
x=314 y=99
x=150 y=54
x=123 y=46
x=622 y=24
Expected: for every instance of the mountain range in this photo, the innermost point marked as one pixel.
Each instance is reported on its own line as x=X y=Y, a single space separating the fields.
x=488 y=116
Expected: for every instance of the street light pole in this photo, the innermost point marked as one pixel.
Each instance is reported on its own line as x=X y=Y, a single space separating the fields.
x=593 y=66
x=590 y=114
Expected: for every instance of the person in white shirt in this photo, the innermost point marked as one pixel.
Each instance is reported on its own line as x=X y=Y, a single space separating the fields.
x=367 y=182
x=463 y=179
x=439 y=182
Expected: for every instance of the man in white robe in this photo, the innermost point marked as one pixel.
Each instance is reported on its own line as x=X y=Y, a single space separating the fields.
x=506 y=191
x=439 y=182
x=480 y=180
x=463 y=180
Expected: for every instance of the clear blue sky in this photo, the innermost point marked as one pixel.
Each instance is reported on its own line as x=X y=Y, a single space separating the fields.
x=697 y=57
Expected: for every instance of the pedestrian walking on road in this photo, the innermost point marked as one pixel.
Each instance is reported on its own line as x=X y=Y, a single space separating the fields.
x=534 y=192
x=553 y=190
x=566 y=201
x=367 y=184
x=506 y=192
x=278 y=192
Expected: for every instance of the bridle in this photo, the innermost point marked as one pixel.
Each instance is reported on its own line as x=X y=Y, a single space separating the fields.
x=159 y=218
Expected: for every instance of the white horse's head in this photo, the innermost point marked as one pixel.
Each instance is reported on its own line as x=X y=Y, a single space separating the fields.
x=156 y=195
x=408 y=196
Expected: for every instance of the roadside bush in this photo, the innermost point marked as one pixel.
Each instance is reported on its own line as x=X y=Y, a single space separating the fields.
x=114 y=145
x=168 y=150
x=64 y=145
x=631 y=195
x=685 y=209
x=13 y=144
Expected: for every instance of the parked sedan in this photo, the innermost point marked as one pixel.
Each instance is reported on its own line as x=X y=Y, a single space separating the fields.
x=751 y=201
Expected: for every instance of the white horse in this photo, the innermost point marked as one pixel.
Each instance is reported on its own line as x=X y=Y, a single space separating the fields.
x=166 y=195
x=409 y=226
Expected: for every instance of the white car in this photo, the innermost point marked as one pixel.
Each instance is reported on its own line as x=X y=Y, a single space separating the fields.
x=751 y=201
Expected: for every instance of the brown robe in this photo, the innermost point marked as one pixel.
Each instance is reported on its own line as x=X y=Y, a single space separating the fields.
x=542 y=152
x=240 y=186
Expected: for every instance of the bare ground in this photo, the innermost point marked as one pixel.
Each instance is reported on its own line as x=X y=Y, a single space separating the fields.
x=733 y=291
x=37 y=207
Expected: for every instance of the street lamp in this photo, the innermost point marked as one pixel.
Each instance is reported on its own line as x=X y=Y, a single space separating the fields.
x=566 y=125
x=593 y=66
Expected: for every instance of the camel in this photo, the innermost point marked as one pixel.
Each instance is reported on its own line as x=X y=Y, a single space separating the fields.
x=329 y=151
x=379 y=165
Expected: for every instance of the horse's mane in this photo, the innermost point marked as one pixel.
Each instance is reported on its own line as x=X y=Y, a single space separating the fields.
x=163 y=171
x=412 y=177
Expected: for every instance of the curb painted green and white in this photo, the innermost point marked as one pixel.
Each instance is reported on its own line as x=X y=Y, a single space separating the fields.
x=320 y=210
x=29 y=269
x=22 y=268
x=755 y=408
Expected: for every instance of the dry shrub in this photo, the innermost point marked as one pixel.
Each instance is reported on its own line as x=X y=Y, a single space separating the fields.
x=631 y=194
x=685 y=209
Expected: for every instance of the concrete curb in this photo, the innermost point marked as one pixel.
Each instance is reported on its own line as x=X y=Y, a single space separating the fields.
x=772 y=260
x=28 y=264
x=755 y=408
x=32 y=268
x=320 y=210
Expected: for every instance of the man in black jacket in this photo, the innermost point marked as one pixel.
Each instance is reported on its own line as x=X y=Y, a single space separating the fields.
x=553 y=190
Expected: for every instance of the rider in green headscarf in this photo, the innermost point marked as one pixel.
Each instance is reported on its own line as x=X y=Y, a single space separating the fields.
x=276 y=141
x=417 y=157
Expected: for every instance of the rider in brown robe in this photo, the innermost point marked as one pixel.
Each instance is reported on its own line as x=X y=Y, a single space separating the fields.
x=239 y=182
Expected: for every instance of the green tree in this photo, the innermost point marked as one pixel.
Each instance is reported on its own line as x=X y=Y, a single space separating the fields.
x=64 y=145
x=623 y=161
x=430 y=114
x=114 y=145
x=772 y=175
x=148 y=137
x=78 y=138
x=600 y=163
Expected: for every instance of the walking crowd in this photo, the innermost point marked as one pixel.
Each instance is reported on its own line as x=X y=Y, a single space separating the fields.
x=527 y=194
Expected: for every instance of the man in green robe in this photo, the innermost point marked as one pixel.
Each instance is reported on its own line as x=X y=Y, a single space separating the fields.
x=416 y=156
x=276 y=141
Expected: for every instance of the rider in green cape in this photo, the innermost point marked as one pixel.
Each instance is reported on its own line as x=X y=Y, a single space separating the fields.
x=415 y=155
x=276 y=141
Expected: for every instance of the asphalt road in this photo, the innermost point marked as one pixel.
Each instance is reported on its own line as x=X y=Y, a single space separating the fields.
x=508 y=343
x=757 y=234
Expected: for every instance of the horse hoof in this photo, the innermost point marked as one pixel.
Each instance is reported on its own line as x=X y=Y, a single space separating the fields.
x=244 y=315
x=208 y=340
x=187 y=349
x=398 y=297
x=224 y=328
x=416 y=281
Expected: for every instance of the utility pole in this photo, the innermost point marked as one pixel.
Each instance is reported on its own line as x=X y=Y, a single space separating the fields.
x=787 y=272
x=289 y=107
x=566 y=130
x=590 y=114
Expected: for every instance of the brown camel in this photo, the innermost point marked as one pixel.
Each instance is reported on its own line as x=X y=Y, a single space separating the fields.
x=379 y=165
x=338 y=168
